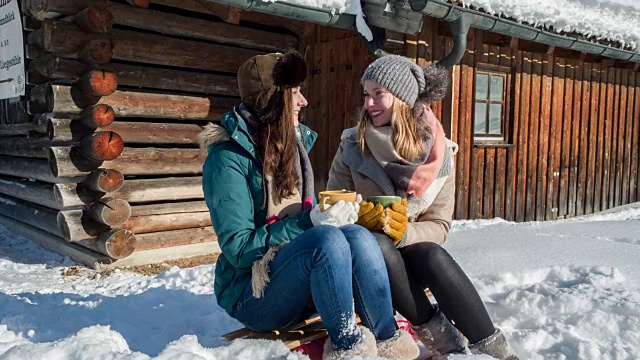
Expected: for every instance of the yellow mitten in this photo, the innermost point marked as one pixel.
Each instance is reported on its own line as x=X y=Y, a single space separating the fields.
x=371 y=216
x=396 y=221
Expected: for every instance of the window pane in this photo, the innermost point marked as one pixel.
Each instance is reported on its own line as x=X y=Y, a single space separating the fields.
x=495 y=119
x=482 y=86
x=497 y=87
x=480 y=121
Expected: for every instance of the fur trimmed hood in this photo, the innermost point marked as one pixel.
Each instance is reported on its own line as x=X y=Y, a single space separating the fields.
x=212 y=134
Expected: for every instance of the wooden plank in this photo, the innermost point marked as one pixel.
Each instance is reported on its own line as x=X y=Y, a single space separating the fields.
x=173 y=24
x=576 y=142
x=524 y=67
x=585 y=125
x=533 y=143
x=488 y=197
x=548 y=117
x=628 y=138
x=31 y=214
x=67 y=40
x=160 y=189
x=131 y=132
x=447 y=104
x=494 y=174
x=28 y=147
x=247 y=332
x=621 y=78
x=294 y=26
x=593 y=174
x=634 y=105
x=16 y=129
x=167 y=222
x=323 y=115
x=500 y=183
x=512 y=154
x=32 y=191
x=461 y=201
x=172 y=238
x=169 y=208
x=476 y=183
x=158 y=161
x=566 y=138
x=608 y=112
x=502 y=171
x=335 y=95
x=555 y=139
x=140 y=104
x=614 y=81
x=411 y=47
x=30 y=168
x=51 y=67
x=465 y=137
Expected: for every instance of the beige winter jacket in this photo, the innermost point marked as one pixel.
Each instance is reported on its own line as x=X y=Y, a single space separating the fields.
x=431 y=224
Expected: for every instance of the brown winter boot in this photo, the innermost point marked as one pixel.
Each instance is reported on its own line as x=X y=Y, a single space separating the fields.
x=495 y=345
x=365 y=347
x=401 y=346
x=439 y=336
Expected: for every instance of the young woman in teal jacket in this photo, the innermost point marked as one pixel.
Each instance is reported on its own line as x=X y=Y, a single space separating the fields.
x=282 y=258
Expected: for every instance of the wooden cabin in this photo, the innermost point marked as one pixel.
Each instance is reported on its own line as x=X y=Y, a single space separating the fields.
x=99 y=158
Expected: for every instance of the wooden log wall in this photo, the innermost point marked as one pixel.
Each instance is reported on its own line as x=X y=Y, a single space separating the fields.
x=573 y=121
x=108 y=158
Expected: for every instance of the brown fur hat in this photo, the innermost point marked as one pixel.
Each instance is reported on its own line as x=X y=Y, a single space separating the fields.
x=262 y=75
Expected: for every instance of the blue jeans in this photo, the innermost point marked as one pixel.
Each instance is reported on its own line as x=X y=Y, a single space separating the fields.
x=334 y=268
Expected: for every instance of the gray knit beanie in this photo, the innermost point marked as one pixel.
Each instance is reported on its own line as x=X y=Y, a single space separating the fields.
x=408 y=81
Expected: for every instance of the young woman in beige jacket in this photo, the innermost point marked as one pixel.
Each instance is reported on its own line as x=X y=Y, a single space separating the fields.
x=399 y=148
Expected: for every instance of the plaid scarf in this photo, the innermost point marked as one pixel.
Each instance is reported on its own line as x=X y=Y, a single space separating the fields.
x=303 y=198
x=411 y=177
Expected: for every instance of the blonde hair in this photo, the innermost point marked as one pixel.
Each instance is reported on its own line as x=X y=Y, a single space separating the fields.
x=408 y=133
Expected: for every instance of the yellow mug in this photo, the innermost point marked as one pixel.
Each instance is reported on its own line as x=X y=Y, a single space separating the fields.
x=333 y=196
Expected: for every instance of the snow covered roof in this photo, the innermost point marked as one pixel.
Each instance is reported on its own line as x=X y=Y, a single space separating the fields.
x=611 y=20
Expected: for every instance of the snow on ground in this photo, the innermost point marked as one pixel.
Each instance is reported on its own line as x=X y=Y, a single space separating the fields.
x=560 y=290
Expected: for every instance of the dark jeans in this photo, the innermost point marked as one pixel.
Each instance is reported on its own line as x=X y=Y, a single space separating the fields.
x=416 y=267
x=335 y=268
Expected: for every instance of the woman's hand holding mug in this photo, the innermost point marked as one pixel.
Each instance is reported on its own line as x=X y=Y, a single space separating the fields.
x=337 y=208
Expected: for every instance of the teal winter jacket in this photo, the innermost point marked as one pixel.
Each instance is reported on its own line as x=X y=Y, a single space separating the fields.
x=233 y=191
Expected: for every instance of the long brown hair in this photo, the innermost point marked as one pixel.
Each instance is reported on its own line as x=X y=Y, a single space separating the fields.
x=277 y=142
x=409 y=130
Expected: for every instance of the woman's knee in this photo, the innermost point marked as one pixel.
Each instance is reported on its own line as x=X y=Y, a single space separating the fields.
x=362 y=242
x=328 y=239
x=427 y=256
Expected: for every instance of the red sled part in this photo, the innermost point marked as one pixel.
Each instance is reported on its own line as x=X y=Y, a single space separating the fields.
x=313 y=349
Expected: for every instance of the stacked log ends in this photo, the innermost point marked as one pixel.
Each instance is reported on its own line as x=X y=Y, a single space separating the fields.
x=95 y=19
x=96 y=116
x=117 y=243
x=102 y=145
x=98 y=83
x=104 y=180
x=96 y=51
x=110 y=211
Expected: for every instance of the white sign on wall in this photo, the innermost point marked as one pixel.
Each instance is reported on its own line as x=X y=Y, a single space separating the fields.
x=12 y=80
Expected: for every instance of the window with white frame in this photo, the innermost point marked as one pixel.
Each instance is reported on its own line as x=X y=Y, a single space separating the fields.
x=490 y=107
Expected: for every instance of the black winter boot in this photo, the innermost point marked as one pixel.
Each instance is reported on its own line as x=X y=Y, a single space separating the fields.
x=440 y=336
